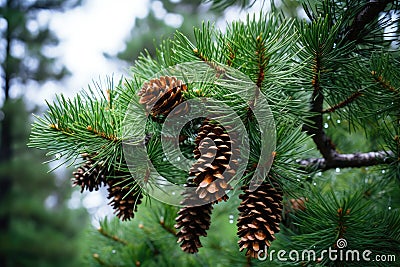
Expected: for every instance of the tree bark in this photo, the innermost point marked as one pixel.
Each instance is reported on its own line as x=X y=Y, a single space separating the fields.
x=5 y=143
x=355 y=160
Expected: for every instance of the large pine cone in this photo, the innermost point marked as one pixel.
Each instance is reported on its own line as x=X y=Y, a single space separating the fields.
x=214 y=167
x=161 y=96
x=259 y=218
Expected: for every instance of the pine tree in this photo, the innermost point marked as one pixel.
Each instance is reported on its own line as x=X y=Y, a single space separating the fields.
x=190 y=12
x=317 y=168
x=43 y=230
x=24 y=61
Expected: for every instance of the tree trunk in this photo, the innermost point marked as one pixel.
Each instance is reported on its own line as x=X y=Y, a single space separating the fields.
x=5 y=145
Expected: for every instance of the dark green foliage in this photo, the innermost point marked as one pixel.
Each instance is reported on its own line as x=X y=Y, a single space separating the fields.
x=43 y=231
x=349 y=215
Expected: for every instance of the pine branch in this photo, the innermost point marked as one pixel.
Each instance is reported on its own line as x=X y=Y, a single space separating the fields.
x=229 y=62
x=102 y=134
x=63 y=130
x=342 y=228
x=355 y=160
x=370 y=11
x=385 y=84
x=89 y=128
x=262 y=60
x=331 y=158
x=261 y=65
x=113 y=237
x=168 y=229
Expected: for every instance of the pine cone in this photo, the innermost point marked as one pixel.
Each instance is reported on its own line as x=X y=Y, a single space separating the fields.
x=214 y=167
x=194 y=221
x=162 y=95
x=259 y=218
x=88 y=176
x=124 y=197
x=291 y=207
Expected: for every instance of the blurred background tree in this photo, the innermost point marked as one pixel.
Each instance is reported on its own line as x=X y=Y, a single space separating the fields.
x=36 y=227
x=163 y=19
x=167 y=16
x=42 y=230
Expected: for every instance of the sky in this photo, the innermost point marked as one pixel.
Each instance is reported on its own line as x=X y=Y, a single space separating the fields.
x=96 y=27
x=85 y=33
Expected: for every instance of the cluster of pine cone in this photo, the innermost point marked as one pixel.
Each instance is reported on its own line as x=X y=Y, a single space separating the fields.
x=124 y=198
x=260 y=211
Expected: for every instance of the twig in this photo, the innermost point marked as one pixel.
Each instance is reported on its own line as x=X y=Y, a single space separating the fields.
x=168 y=229
x=342 y=227
x=385 y=84
x=113 y=237
x=68 y=131
x=220 y=71
x=229 y=62
x=102 y=134
x=100 y=261
x=344 y=103
x=261 y=58
x=331 y=158
x=261 y=64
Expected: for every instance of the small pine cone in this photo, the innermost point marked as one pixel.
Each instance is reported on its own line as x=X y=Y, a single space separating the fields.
x=193 y=222
x=124 y=198
x=259 y=218
x=88 y=176
x=297 y=204
x=162 y=95
x=214 y=167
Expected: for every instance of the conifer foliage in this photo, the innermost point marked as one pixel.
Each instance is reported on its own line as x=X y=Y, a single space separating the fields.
x=331 y=162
